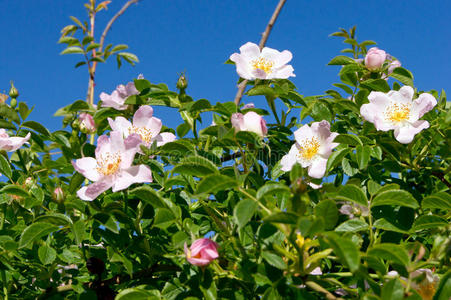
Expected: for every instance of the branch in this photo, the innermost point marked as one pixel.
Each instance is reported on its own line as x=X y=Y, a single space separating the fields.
x=265 y=35
x=442 y=178
x=113 y=19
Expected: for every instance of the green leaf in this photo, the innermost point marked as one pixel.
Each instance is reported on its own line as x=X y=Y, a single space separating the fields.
x=129 y=57
x=16 y=190
x=244 y=211
x=392 y=290
x=55 y=218
x=341 y=60
x=35 y=231
x=380 y=85
x=73 y=50
x=134 y=294
x=363 y=156
x=8 y=112
x=274 y=260
x=352 y=193
x=329 y=211
x=7 y=125
x=437 y=201
x=5 y=167
x=386 y=225
x=345 y=249
x=353 y=225
x=119 y=47
x=348 y=139
x=37 y=127
x=46 y=254
x=23 y=110
x=78 y=229
x=163 y=218
x=195 y=165
x=262 y=90
x=271 y=189
x=390 y=252
x=149 y=195
x=444 y=288
x=92 y=46
x=403 y=75
x=395 y=197
x=428 y=222
x=214 y=183
x=75 y=182
x=336 y=157
x=281 y=217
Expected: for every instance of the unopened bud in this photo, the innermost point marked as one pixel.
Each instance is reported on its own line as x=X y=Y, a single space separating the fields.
x=87 y=124
x=75 y=124
x=13 y=102
x=58 y=195
x=13 y=92
x=29 y=182
x=182 y=83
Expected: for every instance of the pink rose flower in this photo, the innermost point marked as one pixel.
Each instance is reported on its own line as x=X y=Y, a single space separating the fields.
x=375 y=58
x=396 y=110
x=267 y=64
x=202 y=252
x=9 y=144
x=313 y=147
x=144 y=125
x=117 y=98
x=251 y=121
x=87 y=124
x=112 y=166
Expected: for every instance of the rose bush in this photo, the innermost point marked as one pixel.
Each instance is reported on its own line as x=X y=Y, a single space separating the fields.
x=347 y=209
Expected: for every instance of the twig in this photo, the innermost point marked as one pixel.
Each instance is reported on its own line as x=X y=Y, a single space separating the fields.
x=242 y=85
x=442 y=178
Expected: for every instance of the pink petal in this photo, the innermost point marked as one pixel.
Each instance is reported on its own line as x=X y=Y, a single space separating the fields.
x=423 y=104
x=282 y=73
x=237 y=121
x=318 y=168
x=165 y=137
x=405 y=134
x=288 y=160
x=87 y=166
x=210 y=254
x=198 y=261
x=242 y=66
x=142 y=115
x=131 y=146
x=253 y=122
x=120 y=124
x=284 y=57
x=154 y=125
x=303 y=133
x=92 y=191
x=103 y=146
x=250 y=51
x=17 y=142
x=134 y=174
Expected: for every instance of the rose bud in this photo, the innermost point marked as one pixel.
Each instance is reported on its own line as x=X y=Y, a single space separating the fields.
x=201 y=252
x=87 y=124
x=58 y=195
x=375 y=58
x=251 y=121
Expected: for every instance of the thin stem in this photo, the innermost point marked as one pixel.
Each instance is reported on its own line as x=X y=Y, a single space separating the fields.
x=263 y=40
x=5 y=287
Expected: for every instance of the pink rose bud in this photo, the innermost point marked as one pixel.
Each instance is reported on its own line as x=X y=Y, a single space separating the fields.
x=251 y=121
x=87 y=124
x=393 y=65
x=58 y=195
x=249 y=105
x=202 y=252
x=375 y=58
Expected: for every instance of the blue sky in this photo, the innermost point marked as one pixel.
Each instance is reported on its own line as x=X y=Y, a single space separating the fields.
x=198 y=37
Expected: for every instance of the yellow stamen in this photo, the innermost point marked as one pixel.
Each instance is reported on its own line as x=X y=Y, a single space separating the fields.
x=309 y=149
x=144 y=133
x=109 y=163
x=397 y=112
x=426 y=290
x=263 y=64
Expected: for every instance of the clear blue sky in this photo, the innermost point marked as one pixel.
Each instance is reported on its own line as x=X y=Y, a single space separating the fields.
x=199 y=36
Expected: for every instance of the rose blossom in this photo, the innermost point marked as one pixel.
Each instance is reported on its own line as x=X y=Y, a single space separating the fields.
x=202 y=252
x=375 y=58
x=120 y=94
x=251 y=121
x=87 y=123
x=251 y=63
x=396 y=110
x=9 y=144
x=145 y=125
x=312 y=148
x=112 y=166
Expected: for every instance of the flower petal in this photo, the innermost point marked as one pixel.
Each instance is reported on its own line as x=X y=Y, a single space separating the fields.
x=165 y=137
x=288 y=160
x=120 y=124
x=242 y=66
x=303 y=133
x=423 y=104
x=92 y=191
x=17 y=142
x=405 y=134
x=282 y=73
x=142 y=115
x=87 y=166
x=318 y=168
x=134 y=174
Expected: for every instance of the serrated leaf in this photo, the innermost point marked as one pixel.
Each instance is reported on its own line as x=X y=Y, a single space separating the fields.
x=134 y=294
x=55 y=218
x=341 y=60
x=428 y=222
x=274 y=260
x=380 y=85
x=195 y=165
x=437 y=201
x=353 y=225
x=386 y=225
x=363 y=156
x=281 y=217
x=150 y=196
x=346 y=251
x=395 y=197
x=348 y=139
x=37 y=127
x=73 y=50
x=390 y=252
x=403 y=75
x=336 y=157
x=244 y=211
x=16 y=190
x=46 y=254
x=163 y=218
x=352 y=193
x=35 y=231
x=5 y=167
x=214 y=183
x=329 y=211
x=273 y=188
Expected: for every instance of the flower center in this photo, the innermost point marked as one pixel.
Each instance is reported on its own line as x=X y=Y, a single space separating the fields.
x=263 y=64
x=397 y=112
x=143 y=132
x=426 y=290
x=309 y=149
x=109 y=163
